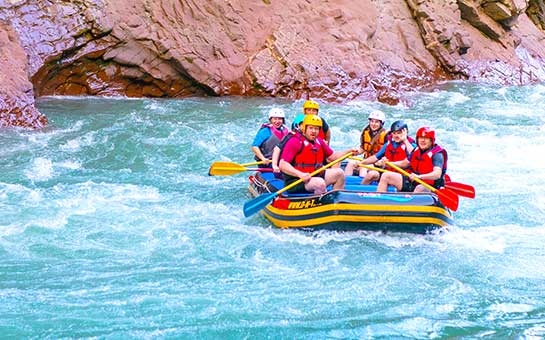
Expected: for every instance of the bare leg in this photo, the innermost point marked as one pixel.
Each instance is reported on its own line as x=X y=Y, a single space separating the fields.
x=316 y=185
x=363 y=172
x=349 y=170
x=421 y=188
x=335 y=177
x=372 y=175
x=390 y=178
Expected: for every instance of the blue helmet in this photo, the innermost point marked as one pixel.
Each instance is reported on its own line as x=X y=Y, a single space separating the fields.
x=398 y=125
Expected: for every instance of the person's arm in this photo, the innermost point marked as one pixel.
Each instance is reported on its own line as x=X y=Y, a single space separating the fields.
x=288 y=169
x=275 y=158
x=327 y=136
x=261 y=136
x=335 y=155
x=403 y=164
x=260 y=155
x=370 y=160
x=409 y=147
x=288 y=155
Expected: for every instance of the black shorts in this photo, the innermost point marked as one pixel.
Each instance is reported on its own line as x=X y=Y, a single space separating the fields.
x=408 y=186
x=299 y=188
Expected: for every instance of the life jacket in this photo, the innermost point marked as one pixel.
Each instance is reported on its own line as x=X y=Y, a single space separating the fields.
x=311 y=156
x=372 y=145
x=268 y=145
x=398 y=153
x=421 y=163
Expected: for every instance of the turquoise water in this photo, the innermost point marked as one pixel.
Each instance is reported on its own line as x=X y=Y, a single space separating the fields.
x=110 y=227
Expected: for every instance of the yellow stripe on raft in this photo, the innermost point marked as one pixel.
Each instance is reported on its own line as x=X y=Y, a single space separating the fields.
x=353 y=218
x=358 y=207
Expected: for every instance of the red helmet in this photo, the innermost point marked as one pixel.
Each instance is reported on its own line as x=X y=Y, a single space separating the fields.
x=426 y=132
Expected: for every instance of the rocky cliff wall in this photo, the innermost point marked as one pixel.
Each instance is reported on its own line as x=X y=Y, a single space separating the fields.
x=335 y=50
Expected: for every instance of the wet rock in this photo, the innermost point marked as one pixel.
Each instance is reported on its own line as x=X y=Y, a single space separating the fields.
x=16 y=95
x=336 y=51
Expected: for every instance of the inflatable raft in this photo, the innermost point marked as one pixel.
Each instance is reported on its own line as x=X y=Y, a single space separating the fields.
x=357 y=207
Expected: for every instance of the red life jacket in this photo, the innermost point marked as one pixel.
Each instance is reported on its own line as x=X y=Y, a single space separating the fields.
x=311 y=156
x=421 y=163
x=398 y=153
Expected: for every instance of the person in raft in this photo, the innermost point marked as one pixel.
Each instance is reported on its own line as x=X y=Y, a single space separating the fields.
x=310 y=107
x=397 y=149
x=372 y=139
x=268 y=136
x=305 y=153
x=277 y=151
x=427 y=162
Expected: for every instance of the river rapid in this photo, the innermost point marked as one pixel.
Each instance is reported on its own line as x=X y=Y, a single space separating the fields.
x=110 y=227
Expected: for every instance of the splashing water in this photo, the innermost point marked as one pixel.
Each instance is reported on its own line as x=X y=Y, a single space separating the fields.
x=111 y=227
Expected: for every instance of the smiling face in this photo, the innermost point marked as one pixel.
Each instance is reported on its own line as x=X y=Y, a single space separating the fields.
x=277 y=121
x=375 y=124
x=424 y=143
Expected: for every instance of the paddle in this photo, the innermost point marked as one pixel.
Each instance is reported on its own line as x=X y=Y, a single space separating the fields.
x=261 y=201
x=370 y=167
x=253 y=163
x=461 y=189
x=229 y=168
x=447 y=197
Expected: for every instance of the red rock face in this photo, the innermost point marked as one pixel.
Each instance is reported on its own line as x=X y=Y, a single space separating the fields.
x=336 y=50
x=16 y=97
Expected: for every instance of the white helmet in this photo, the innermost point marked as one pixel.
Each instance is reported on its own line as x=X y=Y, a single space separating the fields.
x=378 y=115
x=276 y=112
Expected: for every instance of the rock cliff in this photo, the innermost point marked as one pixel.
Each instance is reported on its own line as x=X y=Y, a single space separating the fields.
x=331 y=49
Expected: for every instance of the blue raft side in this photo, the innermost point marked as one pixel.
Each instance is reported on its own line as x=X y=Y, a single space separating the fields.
x=352 y=184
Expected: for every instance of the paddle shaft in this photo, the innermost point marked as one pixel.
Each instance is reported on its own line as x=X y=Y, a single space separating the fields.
x=315 y=172
x=256 y=204
x=416 y=179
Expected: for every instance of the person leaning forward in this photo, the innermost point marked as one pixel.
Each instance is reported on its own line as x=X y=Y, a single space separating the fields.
x=305 y=153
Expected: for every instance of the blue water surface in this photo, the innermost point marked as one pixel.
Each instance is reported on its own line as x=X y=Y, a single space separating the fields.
x=110 y=227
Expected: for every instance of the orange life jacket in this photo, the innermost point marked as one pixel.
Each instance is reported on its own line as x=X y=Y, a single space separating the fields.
x=372 y=145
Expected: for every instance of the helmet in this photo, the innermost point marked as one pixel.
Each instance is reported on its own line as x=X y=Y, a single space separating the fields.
x=378 y=115
x=311 y=120
x=276 y=112
x=398 y=125
x=426 y=132
x=310 y=104
x=297 y=121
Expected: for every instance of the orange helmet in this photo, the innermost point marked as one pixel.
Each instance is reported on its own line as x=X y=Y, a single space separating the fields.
x=426 y=132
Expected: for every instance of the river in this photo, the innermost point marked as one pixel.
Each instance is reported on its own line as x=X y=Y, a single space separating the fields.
x=110 y=227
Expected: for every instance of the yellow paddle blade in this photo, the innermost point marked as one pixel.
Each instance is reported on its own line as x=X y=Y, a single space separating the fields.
x=225 y=169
